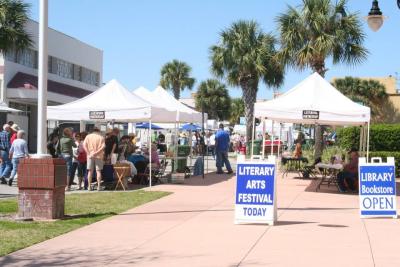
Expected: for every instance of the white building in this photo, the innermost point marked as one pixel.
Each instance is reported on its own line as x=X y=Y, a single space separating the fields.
x=75 y=70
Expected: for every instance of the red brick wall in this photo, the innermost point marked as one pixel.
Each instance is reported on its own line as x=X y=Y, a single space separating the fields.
x=41 y=185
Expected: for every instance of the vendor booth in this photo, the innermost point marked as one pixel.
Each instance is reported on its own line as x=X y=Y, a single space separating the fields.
x=316 y=101
x=112 y=103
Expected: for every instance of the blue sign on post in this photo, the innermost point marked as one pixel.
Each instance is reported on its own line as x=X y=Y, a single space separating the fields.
x=377 y=188
x=255 y=193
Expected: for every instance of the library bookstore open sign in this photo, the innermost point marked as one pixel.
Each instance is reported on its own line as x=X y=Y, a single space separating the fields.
x=377 y=188
x=255 y=193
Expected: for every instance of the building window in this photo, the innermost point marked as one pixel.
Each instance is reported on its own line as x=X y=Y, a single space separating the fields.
x=89 y=76
x=25 y=109
x=62 y=68
x=26 y=57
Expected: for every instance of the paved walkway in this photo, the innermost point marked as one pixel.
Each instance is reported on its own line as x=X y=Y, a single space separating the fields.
x=194 y=227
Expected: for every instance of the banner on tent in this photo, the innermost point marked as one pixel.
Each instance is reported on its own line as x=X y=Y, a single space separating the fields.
x=377 y=188
x=97 y=115
x=310 y=114
x=255 y=193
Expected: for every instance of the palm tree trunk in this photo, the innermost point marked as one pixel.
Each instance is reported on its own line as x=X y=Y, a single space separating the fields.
x=177 y=92
x=249 y=97
x=319 y=130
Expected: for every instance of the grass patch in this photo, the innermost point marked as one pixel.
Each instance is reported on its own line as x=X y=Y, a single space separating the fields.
x=83 y=209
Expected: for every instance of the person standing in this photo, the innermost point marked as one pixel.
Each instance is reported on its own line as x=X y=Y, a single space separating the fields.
x=13 y=131
x=111 y=146
x=5 y=166
x=53 y=142
x=18 y=151
x=222 y=147
x=211 y=145
x=66 y=149
x=94 y=145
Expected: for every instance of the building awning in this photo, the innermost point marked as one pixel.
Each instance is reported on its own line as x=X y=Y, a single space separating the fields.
x=27 y=81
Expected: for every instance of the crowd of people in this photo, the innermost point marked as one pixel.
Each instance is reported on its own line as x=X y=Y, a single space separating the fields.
x=13 y=148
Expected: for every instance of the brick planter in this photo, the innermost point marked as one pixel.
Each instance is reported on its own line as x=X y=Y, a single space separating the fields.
x=41 y=185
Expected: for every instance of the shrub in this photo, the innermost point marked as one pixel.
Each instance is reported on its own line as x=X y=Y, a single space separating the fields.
x=385 y=154
x=383 y=137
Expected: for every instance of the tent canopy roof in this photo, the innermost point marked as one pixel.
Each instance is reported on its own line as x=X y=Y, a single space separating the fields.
x=314 y=95
x=162 y=98
x=113 y=102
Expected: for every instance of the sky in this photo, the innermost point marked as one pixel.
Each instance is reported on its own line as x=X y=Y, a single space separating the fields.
x=139 y=36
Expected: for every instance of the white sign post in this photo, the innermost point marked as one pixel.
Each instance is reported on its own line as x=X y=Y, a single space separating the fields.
x=256 y=192
x=377 y=188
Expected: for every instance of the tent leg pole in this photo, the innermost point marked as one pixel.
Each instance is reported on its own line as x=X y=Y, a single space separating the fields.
x=361 y=145
x=252 y=138
x=272 y=139
x=368 y=142
x=280 y=138
x=150 y=155
x=202 y=147
x=263 y=139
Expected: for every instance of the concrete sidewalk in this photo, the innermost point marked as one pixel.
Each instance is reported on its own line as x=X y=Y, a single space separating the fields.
x=194 y=227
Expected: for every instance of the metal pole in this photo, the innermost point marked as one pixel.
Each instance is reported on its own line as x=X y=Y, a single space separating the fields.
x=368 y=143
x=202 y=133
x=272 y=139
x=252 y=138
x=280 y=138
x=361 y=145
x=263 y=139
x=150 y=154
x=42 y=79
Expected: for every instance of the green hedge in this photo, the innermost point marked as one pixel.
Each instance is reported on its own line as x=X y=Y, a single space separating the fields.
x=383 y=137
x=385 y=154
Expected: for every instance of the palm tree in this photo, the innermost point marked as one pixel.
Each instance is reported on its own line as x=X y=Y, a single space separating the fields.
x=175 y=76
x=237 y=110
x=244 y=56
x=370 y=93
x=213 y=97
x=318 y=30
x=13 y=17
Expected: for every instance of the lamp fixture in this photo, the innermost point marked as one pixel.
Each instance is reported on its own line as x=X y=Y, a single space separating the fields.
x=375 y=17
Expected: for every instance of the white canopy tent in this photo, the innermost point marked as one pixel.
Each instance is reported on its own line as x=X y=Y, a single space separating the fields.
x=160 y=97
x=315 y=101
x=111 y=102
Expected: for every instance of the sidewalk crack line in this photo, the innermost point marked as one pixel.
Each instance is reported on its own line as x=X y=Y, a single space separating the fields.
x=369 y=242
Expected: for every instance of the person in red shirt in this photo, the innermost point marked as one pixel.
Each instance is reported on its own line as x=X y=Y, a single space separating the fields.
x=14 y=129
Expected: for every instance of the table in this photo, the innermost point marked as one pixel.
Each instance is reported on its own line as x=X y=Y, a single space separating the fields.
x=293 y=165
x=329 y=174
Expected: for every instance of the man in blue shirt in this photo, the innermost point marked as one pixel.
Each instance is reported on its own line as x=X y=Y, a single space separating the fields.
x=5 y=166
x=222 y=147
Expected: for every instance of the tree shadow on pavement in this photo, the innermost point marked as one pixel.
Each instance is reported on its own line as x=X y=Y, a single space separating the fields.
x=88 y=215
x=175 y=211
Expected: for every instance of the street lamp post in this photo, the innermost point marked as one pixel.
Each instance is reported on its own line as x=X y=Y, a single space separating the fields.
x=42 y=179
x=42 y=80
x=375 y=17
